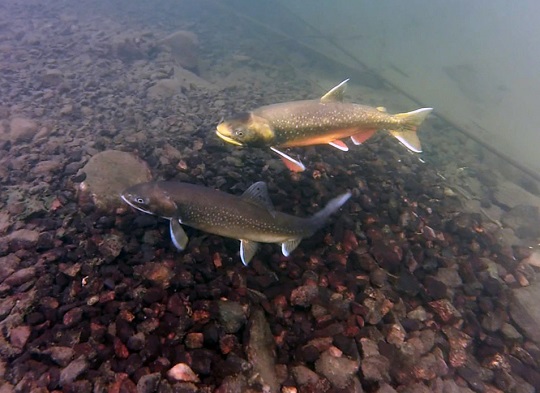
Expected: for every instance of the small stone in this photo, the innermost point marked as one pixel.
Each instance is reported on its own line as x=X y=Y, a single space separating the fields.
x=20 y=277
x=60 y=355
x=304 y=375
x=52 y=77
x=338 y=370
x=24 y=238
x=418 y=313
x=194 y=340
x=182 y=372
x=395 y=334
x=459 y=342
x=19 y=335
x=120 y=350
x=445 y=310
x=73 y=317
x=22 y=129
x=66 y=110
x=73 y=370
x=375 y=368
x=303 y=296
x=148 y=383
x=231 y=316
x=510 y=332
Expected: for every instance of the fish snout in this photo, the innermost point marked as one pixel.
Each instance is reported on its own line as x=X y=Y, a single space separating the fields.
x=225 y=132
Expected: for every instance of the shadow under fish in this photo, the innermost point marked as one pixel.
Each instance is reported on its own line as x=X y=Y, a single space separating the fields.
x=250 y=218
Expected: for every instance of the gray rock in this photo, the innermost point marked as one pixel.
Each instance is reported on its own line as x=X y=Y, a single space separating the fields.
x=233 y=384
x=261 y=351
x=20 y=129
x=19 y=335
x=523 y=219
x=303 y=296
x=303 y=375
x=231 y=316
x=385 y=388
x=60 y=355
x=165 y=88
x=108 y=174
x=376 y=368
x=148 y=383
x=21 y=276
x=52 y=77
x=73 y=370
x=338 y=370
x=510 y=332
x=449 y=276
x=184 y=47
x=525 y=312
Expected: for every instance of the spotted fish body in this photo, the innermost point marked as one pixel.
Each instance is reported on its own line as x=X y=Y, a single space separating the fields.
x=249 y=218
x=327 y=120
x=306 y=123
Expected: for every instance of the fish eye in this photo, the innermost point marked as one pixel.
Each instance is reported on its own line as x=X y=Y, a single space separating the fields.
x=239 y=133
x=139 y=200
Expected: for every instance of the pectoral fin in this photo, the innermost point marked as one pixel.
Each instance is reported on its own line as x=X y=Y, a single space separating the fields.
x=363 y=136
x=291 y=163
x=247 y=250
x=289 y=246
x=339 y=145
x=178 y=236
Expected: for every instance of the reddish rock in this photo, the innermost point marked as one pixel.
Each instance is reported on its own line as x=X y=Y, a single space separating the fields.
x=194 y=340
x=20 y=277
x=19 y=335
x=445 y=310
x=303 y=296
x=73 y=317
x=120 y=349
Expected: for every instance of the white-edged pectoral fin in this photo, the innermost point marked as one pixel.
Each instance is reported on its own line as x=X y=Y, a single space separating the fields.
x=289 y=246
x=178 y=236
x=291 y=163
x=247 y=250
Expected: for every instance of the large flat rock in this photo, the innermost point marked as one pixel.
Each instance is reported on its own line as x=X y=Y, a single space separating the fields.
x=110 y=172
x=525 y=311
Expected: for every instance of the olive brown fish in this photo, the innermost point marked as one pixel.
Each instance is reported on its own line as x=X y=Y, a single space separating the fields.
x=323 y=121
x=250 y=218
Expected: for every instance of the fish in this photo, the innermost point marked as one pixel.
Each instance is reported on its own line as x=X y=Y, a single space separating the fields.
x=250 y=217
x=327 y=120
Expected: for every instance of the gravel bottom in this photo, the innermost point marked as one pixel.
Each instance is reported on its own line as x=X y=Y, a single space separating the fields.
x=407 y=289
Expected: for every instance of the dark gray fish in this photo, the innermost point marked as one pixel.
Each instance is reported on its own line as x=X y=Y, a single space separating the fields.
x=250 y=218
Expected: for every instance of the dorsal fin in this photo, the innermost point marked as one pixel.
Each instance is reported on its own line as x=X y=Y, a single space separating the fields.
x=336 y=93
x=258 y=195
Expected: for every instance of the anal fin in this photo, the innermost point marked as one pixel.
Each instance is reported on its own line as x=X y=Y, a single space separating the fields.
x=339 y=145
x=290 y=163
x=363 y=136
x=178 y=236
x=248 y=249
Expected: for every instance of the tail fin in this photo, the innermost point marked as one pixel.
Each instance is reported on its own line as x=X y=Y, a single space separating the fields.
x=410 y=122
x=319 y=219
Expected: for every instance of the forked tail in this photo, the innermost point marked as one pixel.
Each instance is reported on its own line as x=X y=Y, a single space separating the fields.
x=320 y=218
x=410 y=121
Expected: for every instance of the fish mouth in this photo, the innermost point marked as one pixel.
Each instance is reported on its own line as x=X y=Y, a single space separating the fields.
x=227 y=138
